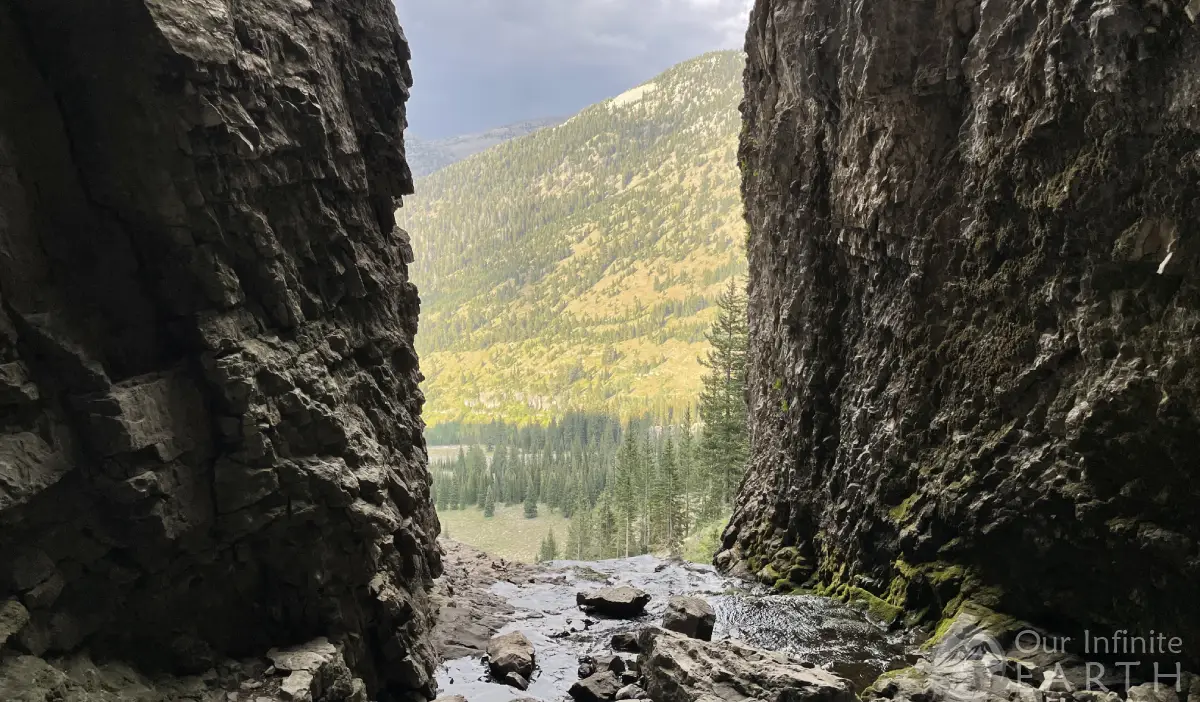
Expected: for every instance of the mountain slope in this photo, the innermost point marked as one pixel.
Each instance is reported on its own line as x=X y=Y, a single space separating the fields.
x=426 y=157
x=576 y=268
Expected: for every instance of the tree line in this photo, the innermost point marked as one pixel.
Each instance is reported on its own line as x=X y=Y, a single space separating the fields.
x=628 y=488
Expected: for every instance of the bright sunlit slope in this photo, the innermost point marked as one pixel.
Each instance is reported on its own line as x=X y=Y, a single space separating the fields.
x=576 y=268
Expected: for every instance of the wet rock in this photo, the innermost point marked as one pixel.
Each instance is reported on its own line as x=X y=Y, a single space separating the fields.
x=591 y=664
x=622 y=602
x=625 y=641
x=677 y=668
x=511 y=653
x=933 y=344
x=690 y=616
x=631 y=692
x=516 y=680
x=598 y=687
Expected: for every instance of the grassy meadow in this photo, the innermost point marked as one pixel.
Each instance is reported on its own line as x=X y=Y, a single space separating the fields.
x=508 y=534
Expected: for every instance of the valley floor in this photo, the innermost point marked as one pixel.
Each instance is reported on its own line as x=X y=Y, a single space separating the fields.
x=508 y=534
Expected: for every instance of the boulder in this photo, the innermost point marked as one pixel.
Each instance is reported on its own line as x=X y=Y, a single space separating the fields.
x=589 y=665
x=1152 y=692
x=598 y=687
x=678 y=668
x=625 y=641
x=623 y=601
x=690 y=616
x=631 y=692
x=13 y=618
x=516 y=680
x=510 y=653
x=316 y=671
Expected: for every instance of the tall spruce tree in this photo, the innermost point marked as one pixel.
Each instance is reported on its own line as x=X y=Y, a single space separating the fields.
x=685 y=460
x=489 y=503
x=531 y=505
x=549 y=550
x=670 y=498
x=628 y=471
x=724 y=443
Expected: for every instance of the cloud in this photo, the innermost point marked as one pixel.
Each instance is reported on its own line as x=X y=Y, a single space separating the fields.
x=483 y=63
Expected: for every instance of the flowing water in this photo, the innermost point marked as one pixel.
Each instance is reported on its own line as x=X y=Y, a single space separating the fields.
x=816 y=629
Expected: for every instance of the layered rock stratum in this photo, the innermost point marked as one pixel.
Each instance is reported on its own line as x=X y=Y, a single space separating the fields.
x=210 y=432
x=975 y=368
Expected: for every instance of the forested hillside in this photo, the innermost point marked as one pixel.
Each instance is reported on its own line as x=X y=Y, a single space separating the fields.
x=576 y=269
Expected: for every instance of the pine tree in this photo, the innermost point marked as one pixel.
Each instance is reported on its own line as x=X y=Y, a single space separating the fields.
x=670 y=497
x=489 y=503
x=684 y=459
x=628 y=469
x=531 y=507
x=549 y=550
x=607 y=528
x=724 y=444
x=582 y=524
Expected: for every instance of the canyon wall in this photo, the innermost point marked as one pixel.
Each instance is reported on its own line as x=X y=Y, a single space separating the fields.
x=210 y=432
x=974 y=308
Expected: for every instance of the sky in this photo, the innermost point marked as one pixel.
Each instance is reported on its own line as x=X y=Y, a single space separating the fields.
x=479 y=64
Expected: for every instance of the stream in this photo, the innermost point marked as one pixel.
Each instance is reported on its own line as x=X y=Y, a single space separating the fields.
x=814 y=629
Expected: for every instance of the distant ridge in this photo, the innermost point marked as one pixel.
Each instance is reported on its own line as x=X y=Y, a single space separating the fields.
x=426 y=157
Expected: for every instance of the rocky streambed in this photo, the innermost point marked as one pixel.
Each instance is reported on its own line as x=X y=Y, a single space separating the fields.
x=482 y=596
x=540 y=622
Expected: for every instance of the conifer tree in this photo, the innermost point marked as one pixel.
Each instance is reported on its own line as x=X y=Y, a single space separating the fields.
x=628 y=469
x=489 y=503
x=531 y=506
x=607 y=528
x=724 y=444
x=549 y=550
x=670 y=498
x=684 y=460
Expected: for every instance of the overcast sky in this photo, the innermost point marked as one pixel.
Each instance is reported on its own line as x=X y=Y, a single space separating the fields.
x=485 y=63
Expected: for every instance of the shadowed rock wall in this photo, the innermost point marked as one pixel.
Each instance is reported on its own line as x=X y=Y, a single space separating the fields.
x=975 y=315
x=210 y=433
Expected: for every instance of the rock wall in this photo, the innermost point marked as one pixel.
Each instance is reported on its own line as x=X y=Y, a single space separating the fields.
x=210 y=433
x=974 y=307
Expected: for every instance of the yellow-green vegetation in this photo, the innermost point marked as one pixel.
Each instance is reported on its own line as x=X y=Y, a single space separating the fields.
x=901 y=510
x=577 y=268
x=508 y=534
x=878 y=608
x=702 y=544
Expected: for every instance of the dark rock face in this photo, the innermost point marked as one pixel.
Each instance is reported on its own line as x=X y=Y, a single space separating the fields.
x=210 y=441
x=974 y=306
